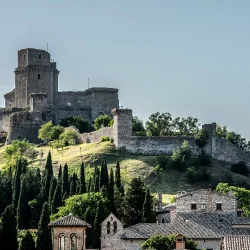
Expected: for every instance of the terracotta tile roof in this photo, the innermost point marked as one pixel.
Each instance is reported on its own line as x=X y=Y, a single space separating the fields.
x=192 y=225
x=236 y=243
x=70 y=221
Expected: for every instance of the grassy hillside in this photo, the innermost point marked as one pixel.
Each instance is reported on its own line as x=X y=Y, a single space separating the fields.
x=167 y=181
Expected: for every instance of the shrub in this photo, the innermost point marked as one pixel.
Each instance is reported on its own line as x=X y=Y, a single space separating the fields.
x=78 y=122
x=69 y=136
x=111 y=140
x=204 y=159
x=194 y=175
x=105 y=138
x=162 y=161
x=240 y=168
x=102 y=121
x=157 y=169
x=181 y=155
x=201 y=138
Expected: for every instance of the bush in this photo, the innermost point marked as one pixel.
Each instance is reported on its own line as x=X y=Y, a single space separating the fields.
x=162 y=161
x=69 y=136
x=201 y=138
x=78 y=122
x=157 y=169
x=105 y=138
x=204 y=159
x=181 y=155
x=102 y=121
x=240 y=168
x=193 y=175
x=111 y=140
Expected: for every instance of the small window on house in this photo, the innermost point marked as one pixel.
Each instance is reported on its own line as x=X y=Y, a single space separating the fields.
x=108 y=227
x=40 y=56
x=163 y=220
x=218 y=206
x=193 y=206
x=61 y=242
x=203 y=206
x=115 y=226
x=39 y=76
x=24 y=56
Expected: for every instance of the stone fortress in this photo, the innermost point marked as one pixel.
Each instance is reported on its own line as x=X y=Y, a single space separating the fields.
x=36 y=99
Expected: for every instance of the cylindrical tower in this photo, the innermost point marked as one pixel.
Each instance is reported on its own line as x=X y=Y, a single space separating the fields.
x=35 y=74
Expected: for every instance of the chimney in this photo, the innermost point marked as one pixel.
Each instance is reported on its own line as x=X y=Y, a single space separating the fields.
x=210 y=188
x=180 y=242
x=159 y=200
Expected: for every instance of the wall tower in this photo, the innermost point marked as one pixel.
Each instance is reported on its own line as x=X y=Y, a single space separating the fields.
x=35 y=74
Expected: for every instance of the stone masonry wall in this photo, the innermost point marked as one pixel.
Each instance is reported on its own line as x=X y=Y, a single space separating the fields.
x=207 y=197
x=214 y=244
x=96 y=136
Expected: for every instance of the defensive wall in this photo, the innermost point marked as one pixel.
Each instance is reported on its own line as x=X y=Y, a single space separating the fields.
x=121 y=132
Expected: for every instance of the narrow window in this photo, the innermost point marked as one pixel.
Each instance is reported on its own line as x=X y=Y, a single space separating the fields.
x=193 y=206
x=115 y=226
x=61 y=242
x=163 y=220
x=203 y=206
x=73 y=242
x=39 y=76
x=108 y=227
x=40 y=56
x=218 y=206
x=24 y=57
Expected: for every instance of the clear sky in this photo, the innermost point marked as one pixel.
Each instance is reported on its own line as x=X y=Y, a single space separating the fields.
x=186 y=57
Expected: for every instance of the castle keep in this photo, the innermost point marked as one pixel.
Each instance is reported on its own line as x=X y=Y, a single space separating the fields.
x=36 y=99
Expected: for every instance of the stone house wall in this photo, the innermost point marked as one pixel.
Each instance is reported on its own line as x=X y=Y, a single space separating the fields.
x=214 y=244
x=207 y=197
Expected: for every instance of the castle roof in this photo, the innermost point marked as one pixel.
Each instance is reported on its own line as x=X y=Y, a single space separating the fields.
x=192 y=225
x=69 y=221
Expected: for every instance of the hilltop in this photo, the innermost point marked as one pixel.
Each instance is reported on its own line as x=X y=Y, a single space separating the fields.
x=167 y=181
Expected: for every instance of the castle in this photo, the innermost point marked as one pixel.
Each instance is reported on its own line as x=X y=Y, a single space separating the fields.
x=36 y=99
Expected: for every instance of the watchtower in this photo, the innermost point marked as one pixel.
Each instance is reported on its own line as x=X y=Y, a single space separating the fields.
x=35 y=74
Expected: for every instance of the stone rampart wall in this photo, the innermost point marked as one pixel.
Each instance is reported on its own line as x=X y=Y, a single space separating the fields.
x=96 y=136
x=147 y=145
x=224 y=150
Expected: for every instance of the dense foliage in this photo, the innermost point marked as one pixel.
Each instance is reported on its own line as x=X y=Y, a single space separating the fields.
x=78 y=122
x=102 y=121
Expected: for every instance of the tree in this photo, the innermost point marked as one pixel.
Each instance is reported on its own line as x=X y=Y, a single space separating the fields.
x=56 y=131
x=73 y=184
x=59 y=177
x=53 y=184
x=133 y=202
x=5 y=189
x=65 y=180
x=111 y=192
x=57 y=199
x=96 y=179
x=48 y=173
x=27 y=242
x=45 y=131
x=82 y=184
x=8 y=231
x=137 y=126
x=201 y=138
x=23 y=208
x=69 y=136
x=44 y=237
x=159 y=124
x=16 y=185
x=148 y=215
x=104 y=178
x=78 y=122
x=118 y=175
x=102 y=121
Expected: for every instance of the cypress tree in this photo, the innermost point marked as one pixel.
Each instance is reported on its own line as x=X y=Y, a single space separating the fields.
x=73 y=184
x=8 y=230
x=65 y=180
x=88 y=217
x=99 y=218
x=57 y=199
x=133 y=202
x=118 y=175
x=104 y=179
x=90 y=185
x=59 y=178
x=23 y=207
x=82 y=183
x=97 y=180
x=16 y=186
x=44 y=239
x=53 y=184
x=111 y=192
x=48 y=173
x=27 y=242
x=5 y=189
x=147 y=212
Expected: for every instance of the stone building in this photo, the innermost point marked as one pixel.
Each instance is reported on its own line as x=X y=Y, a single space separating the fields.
x=205 y=216
x=36 y=99
x=69 y=233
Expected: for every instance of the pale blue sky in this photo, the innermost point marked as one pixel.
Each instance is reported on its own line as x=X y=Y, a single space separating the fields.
x=184 y=57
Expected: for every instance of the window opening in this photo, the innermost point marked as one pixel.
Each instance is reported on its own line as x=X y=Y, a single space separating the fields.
x=73 y=242
x=61 y=242
x=193 y=206
x=203 y=206
x=40 y=56
x=39 y=76
x=108 y=227
x=163 y=220
x=218 y=206
x=115 y=226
